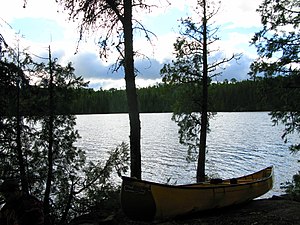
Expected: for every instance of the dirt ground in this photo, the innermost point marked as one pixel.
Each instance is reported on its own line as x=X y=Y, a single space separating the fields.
x=273 y=211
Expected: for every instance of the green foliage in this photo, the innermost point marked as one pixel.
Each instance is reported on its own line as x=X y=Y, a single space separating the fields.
x=92 y=187
x=191 y=72
x=238 y=96
x=101 y=101
x=279 y=40
x=186 y=72
x=247 y=95
x=12 y=79
x=189 y=129
x=293 y=188
x=157 y=98
x=291 y=121
x=278 y=47
x=77 y=186
x=101 y=177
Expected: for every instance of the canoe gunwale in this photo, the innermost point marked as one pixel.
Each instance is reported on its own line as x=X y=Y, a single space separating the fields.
x=209 y=186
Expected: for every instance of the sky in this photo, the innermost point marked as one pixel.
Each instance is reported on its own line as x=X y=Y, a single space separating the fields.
x=44 y=23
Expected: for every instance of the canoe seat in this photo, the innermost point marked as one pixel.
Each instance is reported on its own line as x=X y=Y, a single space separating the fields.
x=220 y=181
x=216 y=181
x=233 y=181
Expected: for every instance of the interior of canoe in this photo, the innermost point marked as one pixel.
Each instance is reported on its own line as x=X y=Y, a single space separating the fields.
x=259 y=176
x=255 y=177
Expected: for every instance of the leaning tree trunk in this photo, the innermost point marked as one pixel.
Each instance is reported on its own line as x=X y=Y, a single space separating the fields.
x=134 y=118
x=204 y=117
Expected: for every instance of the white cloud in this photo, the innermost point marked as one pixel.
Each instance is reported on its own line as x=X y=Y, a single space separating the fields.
x=239 y=13
x=237 y=43
x=141 y=83
x=107 y=84
x=160 y=48
x=14 y=9
x=161 y=7
x=234 y=16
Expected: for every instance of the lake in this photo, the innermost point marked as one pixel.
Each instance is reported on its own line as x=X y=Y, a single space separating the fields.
x=238 y=144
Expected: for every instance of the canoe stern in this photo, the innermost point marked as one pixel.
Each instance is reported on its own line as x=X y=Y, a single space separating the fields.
x=137 y=201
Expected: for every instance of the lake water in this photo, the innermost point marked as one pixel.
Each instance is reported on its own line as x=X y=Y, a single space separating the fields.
x=238 y=144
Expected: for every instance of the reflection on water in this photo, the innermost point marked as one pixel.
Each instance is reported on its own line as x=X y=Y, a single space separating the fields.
x=238 y=144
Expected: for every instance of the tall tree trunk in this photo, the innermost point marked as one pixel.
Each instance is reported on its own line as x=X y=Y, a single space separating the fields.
x=24 y=183
x=134 y=117
x=204 y=117
x=50 y=140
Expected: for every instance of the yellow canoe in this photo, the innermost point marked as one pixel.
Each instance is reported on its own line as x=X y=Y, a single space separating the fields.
x=144 y=200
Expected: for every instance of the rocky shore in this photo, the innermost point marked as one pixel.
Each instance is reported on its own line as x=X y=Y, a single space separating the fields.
x=272 y=211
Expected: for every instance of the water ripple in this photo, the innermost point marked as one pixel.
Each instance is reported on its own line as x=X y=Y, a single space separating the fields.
x=238 y=144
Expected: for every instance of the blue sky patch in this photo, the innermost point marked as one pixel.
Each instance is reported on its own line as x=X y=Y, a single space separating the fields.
x=38 y=30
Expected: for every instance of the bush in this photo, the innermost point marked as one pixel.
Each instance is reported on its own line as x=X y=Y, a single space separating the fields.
x=293 y=188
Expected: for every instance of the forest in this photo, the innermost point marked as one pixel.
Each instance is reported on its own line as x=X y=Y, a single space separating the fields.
x=246 y=95
x=238 y=96
x=260 y=95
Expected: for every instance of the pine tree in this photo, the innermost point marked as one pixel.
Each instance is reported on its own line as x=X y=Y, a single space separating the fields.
x=278 y=47
x=193 y=69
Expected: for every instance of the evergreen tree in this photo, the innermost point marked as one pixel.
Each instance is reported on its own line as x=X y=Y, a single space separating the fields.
x=13 y=82
x=54 y=168
x=8 y=126
x=194 y=67
x=116 y=19
x=278 y=47
x=57 y=166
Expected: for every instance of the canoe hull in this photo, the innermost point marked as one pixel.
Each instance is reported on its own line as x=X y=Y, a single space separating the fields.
x=143 y=200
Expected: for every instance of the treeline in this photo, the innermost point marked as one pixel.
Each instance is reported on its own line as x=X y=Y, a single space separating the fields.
x=245 y=95
x=151 y=99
